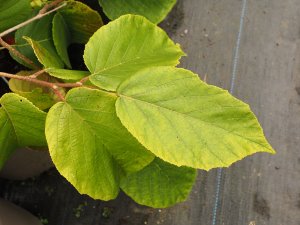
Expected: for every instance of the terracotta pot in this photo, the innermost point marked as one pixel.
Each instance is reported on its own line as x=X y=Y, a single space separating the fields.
x=11 y=214
x=26 y=163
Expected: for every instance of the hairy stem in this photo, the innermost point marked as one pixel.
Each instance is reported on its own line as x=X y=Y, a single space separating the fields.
x=33 y=79
x=52 y=86
x=43 y=12
x=18 y=54
x=36 y=74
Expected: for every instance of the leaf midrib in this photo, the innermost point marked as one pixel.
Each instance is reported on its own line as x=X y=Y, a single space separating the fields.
x=136 y=59
x=96 y=135
x=193 y=118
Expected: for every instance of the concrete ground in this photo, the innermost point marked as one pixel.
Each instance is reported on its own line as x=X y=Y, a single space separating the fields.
x=251 y=47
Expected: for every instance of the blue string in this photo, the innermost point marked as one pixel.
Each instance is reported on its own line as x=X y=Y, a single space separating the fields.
x=232 y=84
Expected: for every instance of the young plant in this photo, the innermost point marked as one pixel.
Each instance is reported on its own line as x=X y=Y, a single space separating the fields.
x=133 y=121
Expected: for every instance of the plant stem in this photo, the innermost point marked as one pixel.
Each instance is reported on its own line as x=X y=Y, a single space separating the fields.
x=83 y=80
x=50 y=5
x=18 y=54
x=58 y=94
x=35 y=75
x=32 y=79
x=43 y=12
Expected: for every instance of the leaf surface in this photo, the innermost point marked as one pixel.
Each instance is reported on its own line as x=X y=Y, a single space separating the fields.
x=89 y=145
x=13 y=12
x=153 y=10
x=184 y=121
x=21 y=124
x=61 y=38
x=82 y=21
x=125 y=46
x=159 y=184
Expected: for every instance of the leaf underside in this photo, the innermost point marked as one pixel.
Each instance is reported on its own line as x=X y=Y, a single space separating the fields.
x=186 y=122
x=159 y=184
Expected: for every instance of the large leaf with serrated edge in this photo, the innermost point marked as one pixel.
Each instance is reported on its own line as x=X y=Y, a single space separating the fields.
x=21 y=124
x=159 y=184
x=88 y=144
x=125 y=46
x=184 y=121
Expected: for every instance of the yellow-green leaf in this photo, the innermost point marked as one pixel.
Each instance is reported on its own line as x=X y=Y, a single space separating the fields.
x=125 y=46
x=184 y=121
x=159 y=184
x=47 y=56
x=88 y=144
x=67 y=74
x=21 y=124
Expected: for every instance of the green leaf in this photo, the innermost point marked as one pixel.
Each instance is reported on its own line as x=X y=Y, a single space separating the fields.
x=46 y=56
x=8 y=139
x=89 y=145
x=13 y=12
x=153 y=10
x=81 y=20
x=184 y=121
x=21 y=124
x=67 y=74
x=159 y=184
x=125 y=46
x=33 y=92
x=40 y=31
x=61 y=38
